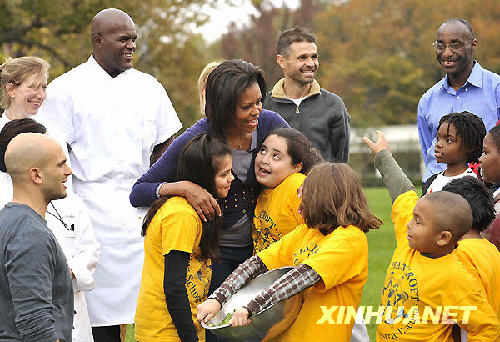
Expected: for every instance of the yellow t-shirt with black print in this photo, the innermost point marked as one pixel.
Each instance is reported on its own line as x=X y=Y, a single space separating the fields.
x=276 y=212
x=176 y=226
x=341 y=259
x=416 y=286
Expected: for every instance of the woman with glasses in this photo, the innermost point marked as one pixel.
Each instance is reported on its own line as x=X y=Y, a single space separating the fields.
x=23 y=81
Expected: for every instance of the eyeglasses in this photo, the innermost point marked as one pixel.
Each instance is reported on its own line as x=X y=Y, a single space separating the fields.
x=456 y=45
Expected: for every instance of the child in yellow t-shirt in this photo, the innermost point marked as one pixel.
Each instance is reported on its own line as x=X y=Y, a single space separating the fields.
x=329 y=252
x=425 y=273
x=479 y=256
x=281 y=166
x=179 y=247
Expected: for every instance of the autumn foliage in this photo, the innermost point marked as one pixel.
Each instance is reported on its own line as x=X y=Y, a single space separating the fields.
x=375 y=54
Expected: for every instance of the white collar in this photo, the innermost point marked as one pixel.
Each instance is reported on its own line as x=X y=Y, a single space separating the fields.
x=98 y=70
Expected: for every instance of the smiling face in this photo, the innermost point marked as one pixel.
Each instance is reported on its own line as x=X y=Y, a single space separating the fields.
x=55 y=174
x=459 y=62
x=449 y=148
x=27 y=97
x=273 y=163
x=490 y=160
x=224 y=176
x=422 y=234
x=248 y=110
x=115 y=44
x=301 y=64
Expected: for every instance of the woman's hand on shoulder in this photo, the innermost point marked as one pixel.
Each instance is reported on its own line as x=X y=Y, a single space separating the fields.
x=240 y=318
x=202 y=201
x=207 y=310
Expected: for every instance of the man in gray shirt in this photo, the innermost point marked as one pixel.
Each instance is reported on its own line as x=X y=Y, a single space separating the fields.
x=36 y=296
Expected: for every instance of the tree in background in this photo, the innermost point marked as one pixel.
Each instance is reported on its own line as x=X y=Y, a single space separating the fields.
x=376 y=54
x=59 y=31
x=256 y=43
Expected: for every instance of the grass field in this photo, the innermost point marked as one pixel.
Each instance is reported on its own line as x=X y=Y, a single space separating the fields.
x=381 y=245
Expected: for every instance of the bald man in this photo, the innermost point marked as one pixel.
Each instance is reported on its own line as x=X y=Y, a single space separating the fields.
x=114 y=118
x=36 y=294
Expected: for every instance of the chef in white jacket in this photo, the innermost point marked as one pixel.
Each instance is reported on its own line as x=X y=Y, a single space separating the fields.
x=113 y=119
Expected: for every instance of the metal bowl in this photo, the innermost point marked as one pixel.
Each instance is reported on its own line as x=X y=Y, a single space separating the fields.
x=266 y=324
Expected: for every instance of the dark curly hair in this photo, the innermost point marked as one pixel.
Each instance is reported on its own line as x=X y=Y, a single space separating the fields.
x=470 y=128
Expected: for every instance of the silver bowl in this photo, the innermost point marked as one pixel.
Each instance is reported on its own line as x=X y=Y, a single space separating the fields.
x=266 y=324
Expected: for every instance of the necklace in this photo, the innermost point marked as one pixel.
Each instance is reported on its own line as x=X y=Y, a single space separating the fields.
x=59 y=217
x=238 y=144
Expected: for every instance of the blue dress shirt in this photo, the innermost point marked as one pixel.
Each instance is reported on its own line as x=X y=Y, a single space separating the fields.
x=479 y=95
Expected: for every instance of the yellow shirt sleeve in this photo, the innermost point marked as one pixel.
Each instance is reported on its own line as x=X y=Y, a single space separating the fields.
x=280 y=253
x=180 y=230
x=480 y=321
x=341 y=257
x=482 y=259
x=402 y=213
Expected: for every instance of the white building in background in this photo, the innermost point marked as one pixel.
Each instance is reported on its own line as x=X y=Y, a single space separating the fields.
x=403 y=139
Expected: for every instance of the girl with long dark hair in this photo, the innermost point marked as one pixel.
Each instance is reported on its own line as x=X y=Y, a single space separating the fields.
x=179 y=247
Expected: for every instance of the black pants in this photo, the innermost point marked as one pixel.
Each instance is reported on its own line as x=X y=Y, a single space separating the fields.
x=231 y=258
x=106 y=334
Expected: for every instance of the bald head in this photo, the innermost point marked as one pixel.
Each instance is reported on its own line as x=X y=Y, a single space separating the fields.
x=27 y=151
x=105 y=19
x=113 y=40
x=451 y=212
x=459 y=23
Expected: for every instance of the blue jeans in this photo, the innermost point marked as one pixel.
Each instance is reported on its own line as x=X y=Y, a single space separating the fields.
x=232 y=257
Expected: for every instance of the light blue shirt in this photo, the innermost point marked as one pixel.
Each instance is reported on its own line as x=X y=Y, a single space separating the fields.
x=480 y=95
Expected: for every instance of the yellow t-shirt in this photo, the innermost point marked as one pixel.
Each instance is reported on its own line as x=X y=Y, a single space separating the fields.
x=276 y=213
x=176 y=226
x=341 y=259
x=414 y=280
x=482 y=259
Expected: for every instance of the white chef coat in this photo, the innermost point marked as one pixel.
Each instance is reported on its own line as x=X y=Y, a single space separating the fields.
x=111 y=126
x=79 y=246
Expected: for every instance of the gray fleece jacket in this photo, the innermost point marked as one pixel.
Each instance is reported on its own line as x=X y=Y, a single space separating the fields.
x=321 y=116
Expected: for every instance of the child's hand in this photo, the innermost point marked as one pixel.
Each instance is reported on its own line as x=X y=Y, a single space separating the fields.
x=207 y=310
x=379 y=145
x=240 y=318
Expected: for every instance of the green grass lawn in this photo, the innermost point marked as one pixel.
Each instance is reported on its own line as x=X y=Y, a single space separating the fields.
x=381 y=245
